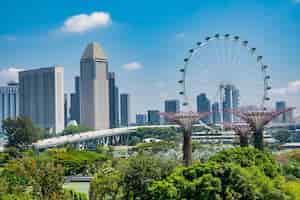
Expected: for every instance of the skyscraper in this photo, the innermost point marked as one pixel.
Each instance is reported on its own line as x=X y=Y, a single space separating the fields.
x=113 y=101
x=172 y=106
x=9 y=102
x=230 y=97
x=216 y=118
x=281 y=105
x=66 y=114
x=141 y=119
x=153 y=117
x=42 y=97
x=75 y=102
x=125 y=109
x=203 y=105
x=94 y=95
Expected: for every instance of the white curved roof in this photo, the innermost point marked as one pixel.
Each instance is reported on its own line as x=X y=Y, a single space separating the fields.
x=92 y=51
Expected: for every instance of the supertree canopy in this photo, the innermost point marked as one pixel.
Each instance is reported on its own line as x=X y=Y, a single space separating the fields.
x=257 y=120
x=186 y=120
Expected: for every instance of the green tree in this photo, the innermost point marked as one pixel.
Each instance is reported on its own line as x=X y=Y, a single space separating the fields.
x=20 y=132
x=106 y=184
x=73 y=129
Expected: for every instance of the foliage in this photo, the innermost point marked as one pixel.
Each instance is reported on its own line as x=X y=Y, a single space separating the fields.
x=154 y=147
x=290 y=162
x=73 y=129
x=292 y=188
x=217 y=181
x=167 y=134
x=140 y=172
x=106 y=184
x=248 y=157
x=73 y=195
x=20 y=132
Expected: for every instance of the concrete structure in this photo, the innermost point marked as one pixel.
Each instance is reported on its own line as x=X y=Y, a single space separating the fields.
x=172 y=106
x=94 y=97
x=141 y=119
x=216 y=115
x=75 y=102
x=125 y=109
x=230 y=101
x=153 y=117
x=42 y=97
x=113 y=101
x=203 y=105
x=9 y=102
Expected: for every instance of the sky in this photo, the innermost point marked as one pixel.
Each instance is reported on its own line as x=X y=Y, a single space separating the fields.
x=146 y=42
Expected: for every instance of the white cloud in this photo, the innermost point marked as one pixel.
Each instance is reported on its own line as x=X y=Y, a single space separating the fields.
x=132 y=66
x=83 y=22
x=9 y=74
x=293 y=87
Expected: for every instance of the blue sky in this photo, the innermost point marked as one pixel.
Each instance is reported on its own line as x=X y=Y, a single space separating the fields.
x=146 y=42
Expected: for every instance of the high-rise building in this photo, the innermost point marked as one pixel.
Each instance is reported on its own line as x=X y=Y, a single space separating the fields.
x=230 y=96
x=42 y=97
x=203 y=105
x=216 y=115
x=94 y=95
x=117 y=103
x=66 y=114
x=153 y=117
x=125 y=109
x=9 y=102
x=172 y=106
x=141 y=119
x=281 y=105
x=75 y=102
x=113 y=101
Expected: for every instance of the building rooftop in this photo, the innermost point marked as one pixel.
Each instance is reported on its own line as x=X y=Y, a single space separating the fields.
x=92 y=51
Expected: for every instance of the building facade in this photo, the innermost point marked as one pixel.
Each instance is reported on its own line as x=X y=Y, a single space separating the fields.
x=153 y=117
x=216 y=115
x=42 y=97
x=203 y=105
x=113 y=101
x=125 y=109
x=75 y=102
x=66 y=110
x=141 y=119
x=9 y=102
x=230 y=101
x=94 y=94
x=281 y=105
x=172 y=106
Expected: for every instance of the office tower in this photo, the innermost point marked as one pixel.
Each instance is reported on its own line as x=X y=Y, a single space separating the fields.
x=113 y=101
x=42 y=97
x=9 y=102
x=75 y=102
x=141 y=119
x=230 y=101
x=125 y=109
x=281 y=105
x=203 y=105
x=153 y=117
x=216 y=115
x=172 y=106
x=66 y=109
x=94 y=95
x=117 y=103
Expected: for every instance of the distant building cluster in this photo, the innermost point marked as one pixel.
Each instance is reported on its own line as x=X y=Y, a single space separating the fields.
x=96 y=102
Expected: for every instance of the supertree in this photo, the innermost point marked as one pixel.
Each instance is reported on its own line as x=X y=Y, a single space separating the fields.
x=257 y=121
x=242 y=130
x=186 y=120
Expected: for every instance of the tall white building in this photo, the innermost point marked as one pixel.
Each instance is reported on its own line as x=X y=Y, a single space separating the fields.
x=42 y=97
x=94 y=96
x=9 y=102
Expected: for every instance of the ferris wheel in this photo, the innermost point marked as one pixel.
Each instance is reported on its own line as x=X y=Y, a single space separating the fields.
x=232 y=41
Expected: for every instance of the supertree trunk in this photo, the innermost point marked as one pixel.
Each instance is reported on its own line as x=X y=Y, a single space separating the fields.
x=259 y=139
x=187 y=147
x=244 y=141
